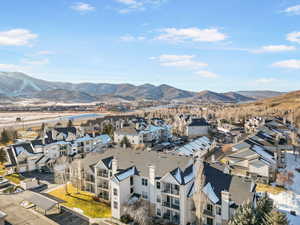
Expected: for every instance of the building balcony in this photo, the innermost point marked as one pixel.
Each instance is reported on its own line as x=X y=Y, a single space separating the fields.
x=105 y=175
x=90 y=179
x=170 y=205
x=208 y=213
x=170 y=191
x=173 y=219
x=103 y=186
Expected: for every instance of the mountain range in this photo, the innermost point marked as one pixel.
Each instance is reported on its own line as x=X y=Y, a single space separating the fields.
x=15 y=85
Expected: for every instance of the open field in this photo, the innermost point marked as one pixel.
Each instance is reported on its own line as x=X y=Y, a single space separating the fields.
x=82 y=201
x=35 y=119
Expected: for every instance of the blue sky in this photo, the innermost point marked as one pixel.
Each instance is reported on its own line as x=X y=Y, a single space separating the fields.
x=190 y=44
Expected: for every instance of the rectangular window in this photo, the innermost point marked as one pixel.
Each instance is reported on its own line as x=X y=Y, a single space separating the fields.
x=115 y=192
x=209 y=221
x=144 y=182
x=158 y=212
x=219 y=210
x=131 y=190
x=115 y=205
x=158 y=199
x=131 y=181
x=144 y=195
x=157 y=185
x=209 y=207
x=176 y=201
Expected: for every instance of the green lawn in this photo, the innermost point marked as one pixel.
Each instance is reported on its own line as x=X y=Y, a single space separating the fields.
x=2 y=170
x=82 y=200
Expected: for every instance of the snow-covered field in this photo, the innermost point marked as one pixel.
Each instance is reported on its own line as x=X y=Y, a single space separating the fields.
x=35 y=118
x=289 y=200
x=28 y=116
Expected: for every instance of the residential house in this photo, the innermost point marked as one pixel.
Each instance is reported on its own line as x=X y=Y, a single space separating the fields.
x=197 y=127
x=217 y=194
x=21 y=157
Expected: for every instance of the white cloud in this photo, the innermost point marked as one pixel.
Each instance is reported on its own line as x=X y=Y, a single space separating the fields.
x=35 y=62
x=295 y=10
x=265 y=80
x=207 y=74
x=193 y=33
x=184 y=61
x=12 y=68
x=16 y=37
x=127 y=2
x=290 y=64
x=293 y=37
x=137 y=5
x=45 y=52
x=129 y=38
x=82 y=7
x=274 y=48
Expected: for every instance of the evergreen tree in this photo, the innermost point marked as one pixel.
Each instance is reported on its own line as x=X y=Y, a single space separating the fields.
x=108 y=129
x=4 y=137
x=13 y=135
x=70 y=123
x=264 y=207
x=244 y=215
x=125 y=142
x=2 y=156
x=276 y=218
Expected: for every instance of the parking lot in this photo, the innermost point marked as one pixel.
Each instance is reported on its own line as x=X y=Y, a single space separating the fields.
x=66 y=217
x=44 y=177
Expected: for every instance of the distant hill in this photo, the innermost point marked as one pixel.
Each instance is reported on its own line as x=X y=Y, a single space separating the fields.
x=14 y=85
x=61 y=95
x=260 y=94
x=290 y=100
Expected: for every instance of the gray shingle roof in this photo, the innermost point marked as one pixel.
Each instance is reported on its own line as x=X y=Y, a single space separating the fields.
x=240 y=190
x=141 y=159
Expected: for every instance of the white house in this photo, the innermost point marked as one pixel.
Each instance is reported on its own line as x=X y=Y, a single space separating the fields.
x=133 y=135
x=197 y=127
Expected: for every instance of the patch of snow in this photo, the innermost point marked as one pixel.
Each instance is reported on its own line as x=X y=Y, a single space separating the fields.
x=208 y=190
x=178 y=176
x=121 y=176
x=260 y=150
x=293 y=162
x=288 y=201
x=189 y=177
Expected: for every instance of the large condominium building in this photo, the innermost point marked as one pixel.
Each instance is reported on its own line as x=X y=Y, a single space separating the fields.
x=167 y=183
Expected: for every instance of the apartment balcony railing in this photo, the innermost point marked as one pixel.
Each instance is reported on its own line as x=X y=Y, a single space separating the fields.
x=90 y=179
x=170 y=205
x=167 y=216
x=104 y=197
x=102 y=175
x=104 y=186
x=170 y=191
x=208 y=213
x=172 y=219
